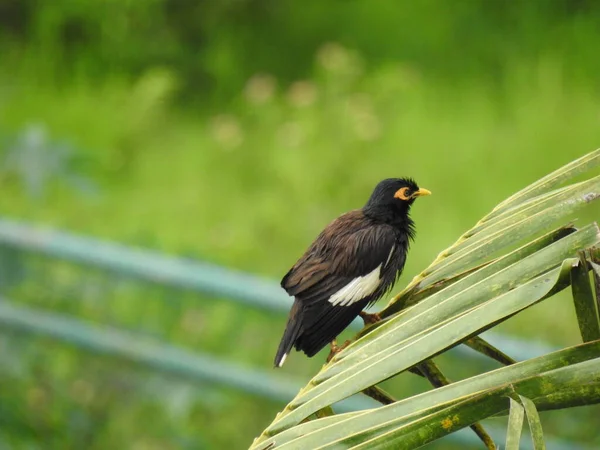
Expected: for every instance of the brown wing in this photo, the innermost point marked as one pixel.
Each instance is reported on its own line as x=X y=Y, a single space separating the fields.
x=349 y=247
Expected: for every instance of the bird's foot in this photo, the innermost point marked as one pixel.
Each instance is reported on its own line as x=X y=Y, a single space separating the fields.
x=370 y=319
x=335 y=349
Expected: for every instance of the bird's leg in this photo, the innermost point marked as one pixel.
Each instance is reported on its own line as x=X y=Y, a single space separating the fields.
x=335 y=348
x=370 y=319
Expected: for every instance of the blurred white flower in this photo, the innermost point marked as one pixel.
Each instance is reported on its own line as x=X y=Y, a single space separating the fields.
x=333 y=56
x=367 y=126
x=408 y=75
x=359 y=104
x=291 y=134
x=339 y=60
x=302 y=94
x=226 y=130
x=260 y=89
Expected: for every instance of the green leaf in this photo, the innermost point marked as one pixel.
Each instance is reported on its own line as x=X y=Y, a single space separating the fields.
x=505 y=271
x=567 y=172
x=535 y=425
x=585 y=303
x=387 y=360
x=540 y=379
x=535 y=193
x=515 y=425
x=570 y=397
x=433 y=426
x=511 y=233
x=304 y=429
x=525 y=210
x=483 y=271
x=465 y=410
x=595 y=265
x=325 y=412
x=437 y=379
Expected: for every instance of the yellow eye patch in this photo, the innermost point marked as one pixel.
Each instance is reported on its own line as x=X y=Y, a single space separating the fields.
x=403 y=194
x=406 y=194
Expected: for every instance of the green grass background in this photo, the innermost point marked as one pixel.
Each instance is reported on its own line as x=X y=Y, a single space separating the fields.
x=245 y=170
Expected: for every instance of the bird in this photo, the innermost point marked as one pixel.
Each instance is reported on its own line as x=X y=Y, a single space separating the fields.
x=351 y=264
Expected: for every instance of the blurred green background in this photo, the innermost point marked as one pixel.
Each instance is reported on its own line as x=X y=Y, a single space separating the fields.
x=233 y=131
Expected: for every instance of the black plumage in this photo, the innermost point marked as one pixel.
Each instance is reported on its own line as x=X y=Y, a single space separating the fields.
x=353 y=262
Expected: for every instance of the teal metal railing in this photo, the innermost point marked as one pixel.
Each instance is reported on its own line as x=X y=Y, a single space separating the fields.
x=177 y=272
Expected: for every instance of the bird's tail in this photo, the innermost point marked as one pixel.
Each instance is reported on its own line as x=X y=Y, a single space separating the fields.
x=291 y=333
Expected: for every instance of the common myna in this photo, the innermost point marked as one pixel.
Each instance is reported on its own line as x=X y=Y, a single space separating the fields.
x=353 y=262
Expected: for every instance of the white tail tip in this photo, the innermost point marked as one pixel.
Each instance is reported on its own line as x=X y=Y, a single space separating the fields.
x=282 y=360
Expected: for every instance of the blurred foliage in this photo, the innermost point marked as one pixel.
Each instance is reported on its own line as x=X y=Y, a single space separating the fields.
x=214 y=46
x=34 y=160
x=233 y=131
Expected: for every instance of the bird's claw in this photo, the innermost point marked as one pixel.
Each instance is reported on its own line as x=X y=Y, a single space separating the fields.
x=335 y=349
x=370 y=319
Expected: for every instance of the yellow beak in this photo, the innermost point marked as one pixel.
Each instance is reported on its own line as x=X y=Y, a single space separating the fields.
x=421 y=193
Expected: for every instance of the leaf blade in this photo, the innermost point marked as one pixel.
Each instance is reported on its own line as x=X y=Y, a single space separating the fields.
x=510 y=235
x=540 y=380
x=470 y=291
x=574 y=168
x=535 y=425
x=584 y=301
x=375 y=369
x=515 y=425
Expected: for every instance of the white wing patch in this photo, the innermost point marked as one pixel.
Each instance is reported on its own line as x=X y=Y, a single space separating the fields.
x=357 y=289
x=360 y=287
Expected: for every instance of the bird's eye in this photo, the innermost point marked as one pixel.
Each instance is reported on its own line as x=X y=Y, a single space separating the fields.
x=403 y=193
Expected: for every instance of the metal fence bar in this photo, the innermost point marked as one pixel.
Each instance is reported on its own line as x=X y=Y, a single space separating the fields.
x=190 y=274
x=146 y=264
x=180 y=362
x=161 y=356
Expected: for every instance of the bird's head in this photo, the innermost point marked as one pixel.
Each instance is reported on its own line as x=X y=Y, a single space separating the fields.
x=392 y=198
